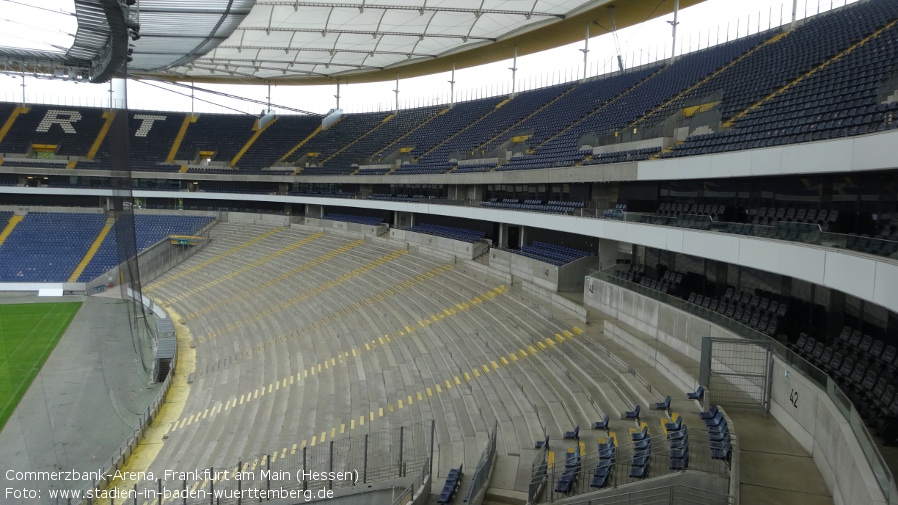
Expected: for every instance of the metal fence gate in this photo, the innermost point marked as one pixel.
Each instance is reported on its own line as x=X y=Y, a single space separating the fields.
x=737 y=372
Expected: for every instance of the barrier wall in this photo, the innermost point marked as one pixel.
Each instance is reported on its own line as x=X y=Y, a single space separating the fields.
x=567 y=277
x=328 y=224
x=440 y=246
x=68 y=287
x=246 y=217
x=821 y=426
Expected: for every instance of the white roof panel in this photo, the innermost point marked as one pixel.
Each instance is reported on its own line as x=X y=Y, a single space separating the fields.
x=288 y=39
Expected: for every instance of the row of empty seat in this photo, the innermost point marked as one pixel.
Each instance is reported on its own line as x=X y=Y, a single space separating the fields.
x=368 y=220
x=47 y=246
x=865 y=368
x=146 y=229
x=551 y=253
x=533 y=205
x=451 y=232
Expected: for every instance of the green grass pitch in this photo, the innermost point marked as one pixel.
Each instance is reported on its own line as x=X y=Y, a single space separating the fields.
x=28 y=333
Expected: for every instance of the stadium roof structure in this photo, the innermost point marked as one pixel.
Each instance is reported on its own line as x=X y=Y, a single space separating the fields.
x=329 y=41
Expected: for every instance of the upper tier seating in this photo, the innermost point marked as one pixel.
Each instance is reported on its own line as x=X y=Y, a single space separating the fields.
x=73 y=130
x=819 y=81
x=46 y=247
x=837 y=100
x=552 y=206
x=326 y=143
x=621 y=109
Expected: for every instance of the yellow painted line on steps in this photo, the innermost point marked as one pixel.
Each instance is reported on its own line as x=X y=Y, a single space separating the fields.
x=274 y=386
x=218 y=257
x=109 y=116
x=252 y=140
x=152 y=442
x=537 y=111
x=300 y=144
x=818 y=68
x=10 y=226
x=180 y=137
x=284 y=276
x=292 y=301
x=462 y=130
x=602 y=107
x=386 y=411
x=360 y=137
x=246 y=268
x=391 y=144
x=707 y=78
x=19 y=110
x=91 y=252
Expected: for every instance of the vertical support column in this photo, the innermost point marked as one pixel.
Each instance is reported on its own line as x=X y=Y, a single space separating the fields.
x=523 y=237
x=117 y=94
x=397 y=95
x=452 y=86
x=433 y=429
x=704 y=371
x=503 y=235
x=401 y=440
x=240 y=483
x=585 y=49
x=794 y=13
x=674 y=23
x=267 y=479
x=337 y=96
x=514 y=67
x=365 y=461
x=305 y=483
x=330 y=464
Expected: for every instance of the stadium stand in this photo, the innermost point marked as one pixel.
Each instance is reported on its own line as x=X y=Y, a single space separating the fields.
x=823 y=87
x=71 y=130
x=827 y=90
x=148 y=230
x=277 y=139
x=396 y=127
x=864 y=367
x=329 y=142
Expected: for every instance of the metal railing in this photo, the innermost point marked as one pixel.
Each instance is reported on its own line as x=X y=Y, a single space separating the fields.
x=884 y=477
x=805 y=233
x=481 y=475
x=408 y=494
x=676 y=494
